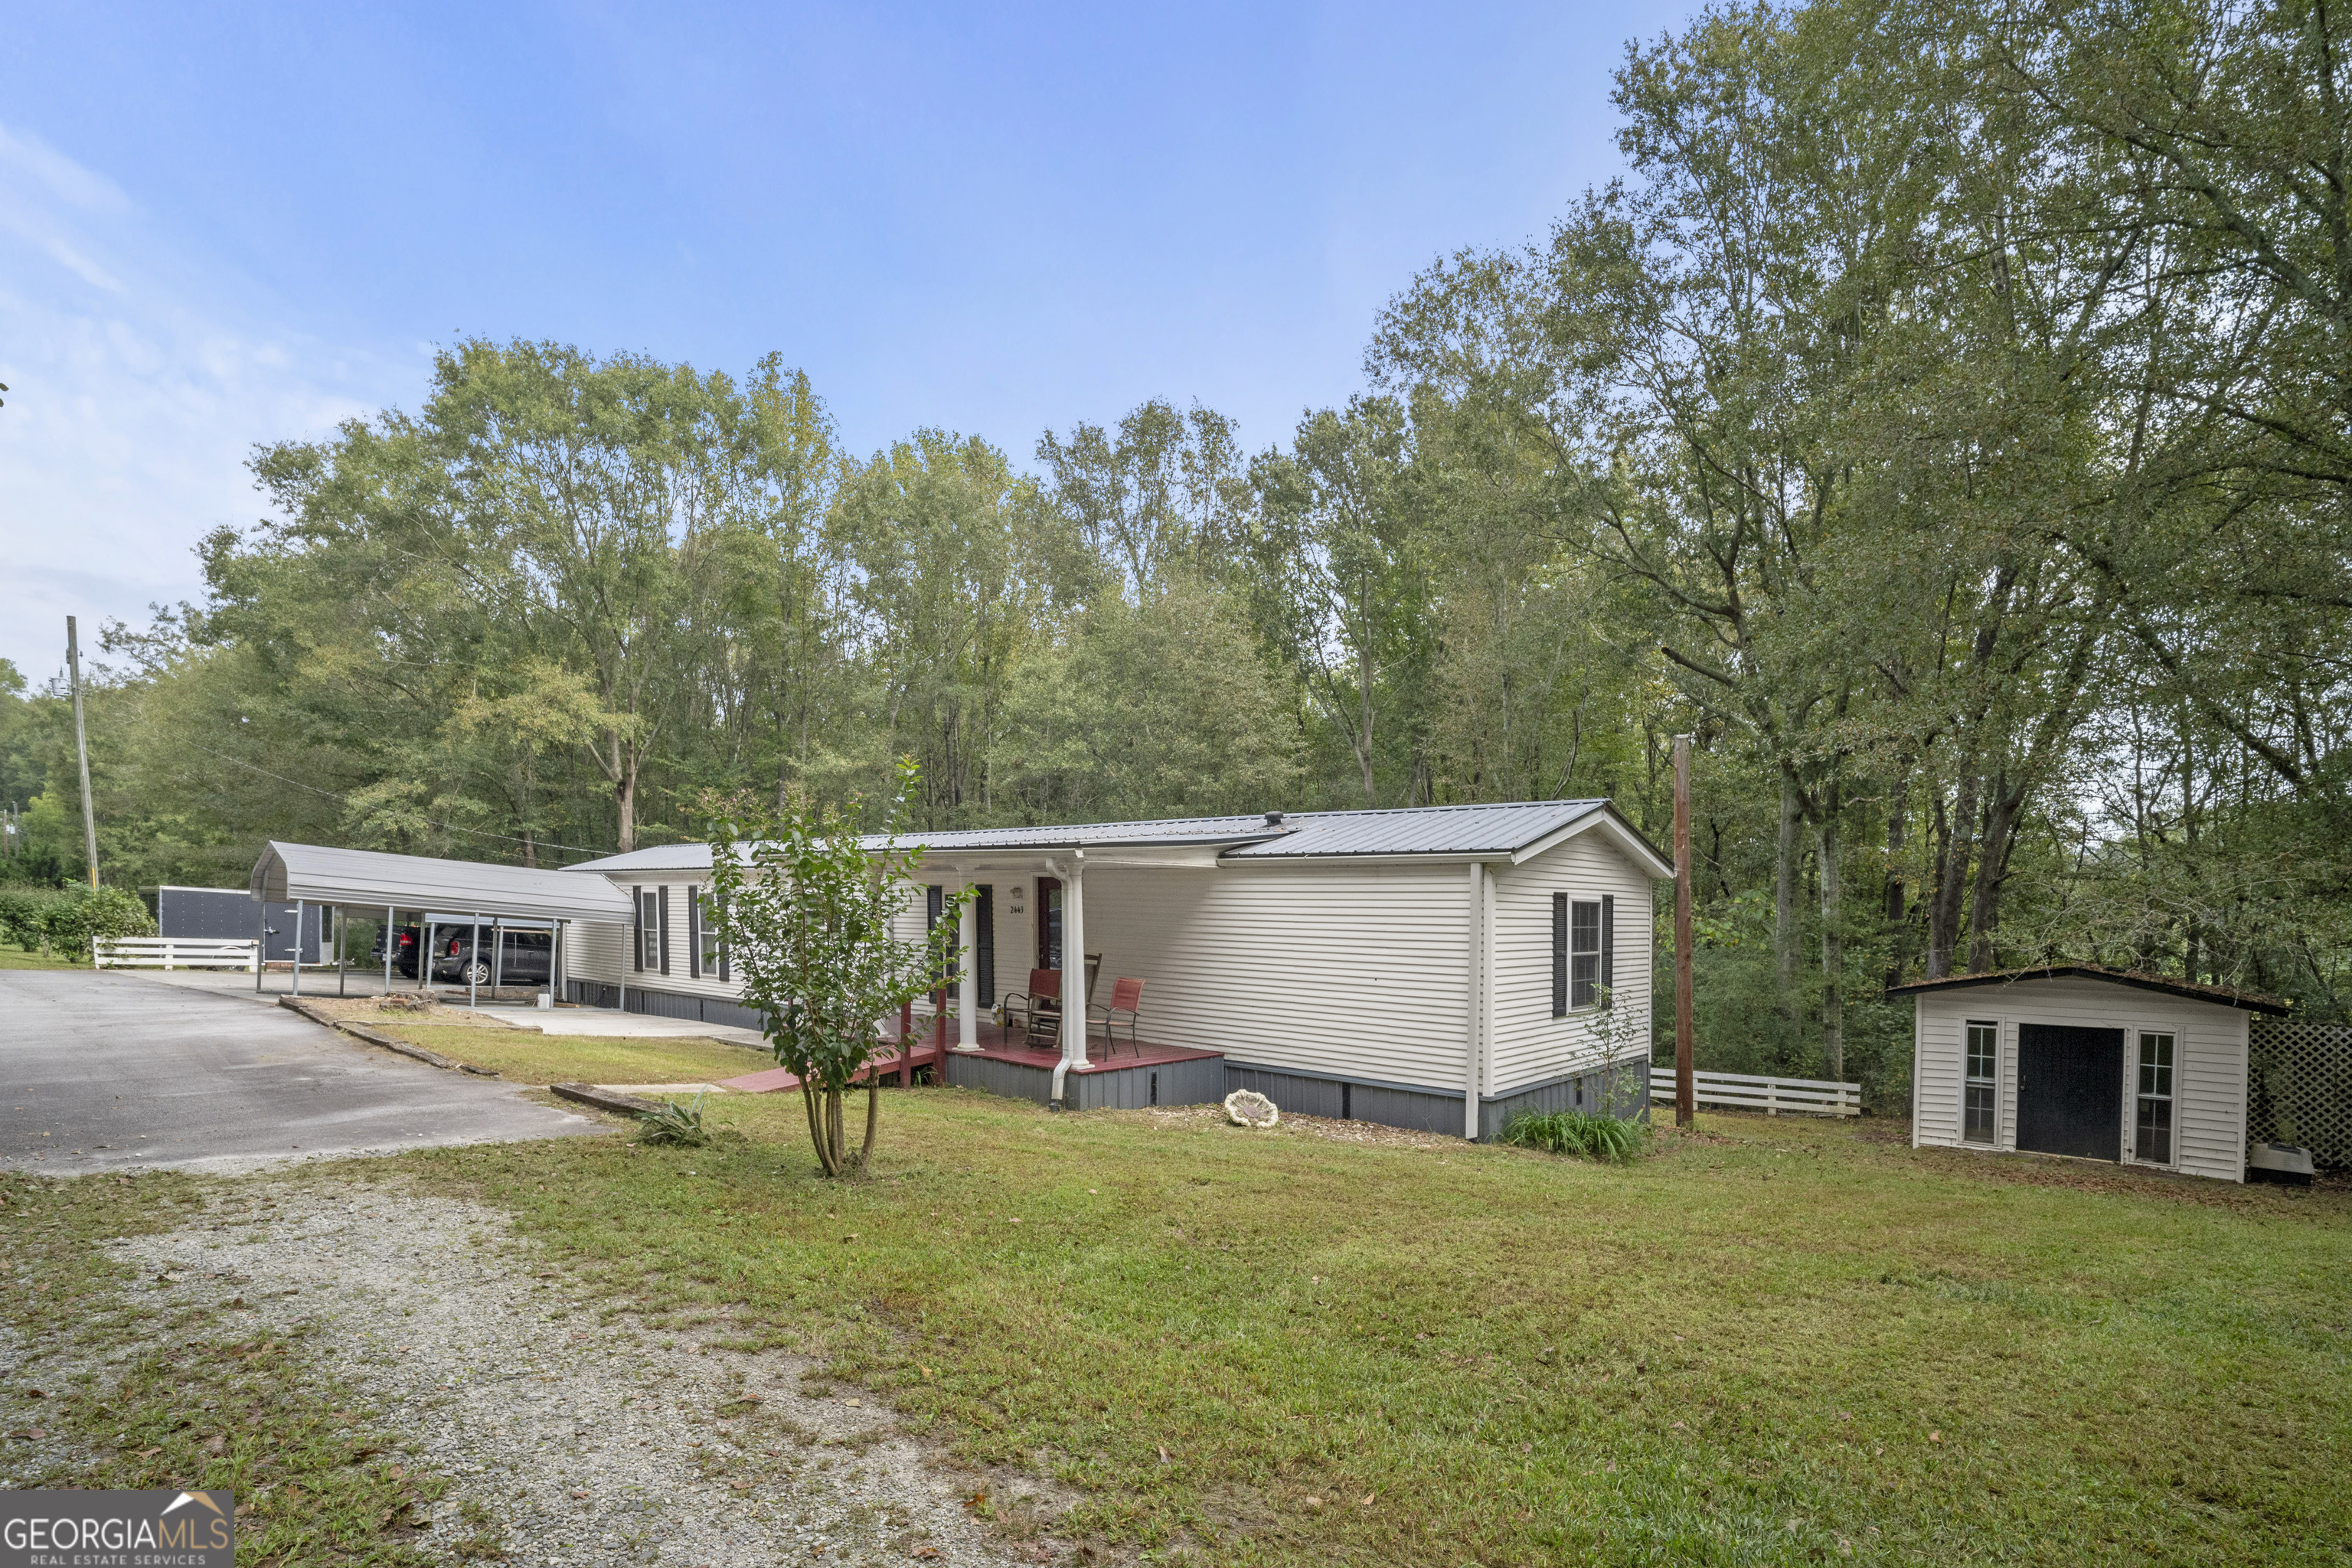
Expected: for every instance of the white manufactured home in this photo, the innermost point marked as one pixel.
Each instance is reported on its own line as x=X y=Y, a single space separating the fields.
x=2094 y=1063
x=1437 y=967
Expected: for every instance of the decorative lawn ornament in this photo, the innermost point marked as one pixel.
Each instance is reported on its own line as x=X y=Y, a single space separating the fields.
x=1248 y=1107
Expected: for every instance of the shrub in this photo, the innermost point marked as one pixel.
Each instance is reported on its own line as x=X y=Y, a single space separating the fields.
x=1603 y=1138
x=64 y=920
x=674 y=1125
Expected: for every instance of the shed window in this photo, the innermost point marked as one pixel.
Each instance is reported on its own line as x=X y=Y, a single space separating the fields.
x=1583 y=953
x=1984 y=1049
x=2152 y=1140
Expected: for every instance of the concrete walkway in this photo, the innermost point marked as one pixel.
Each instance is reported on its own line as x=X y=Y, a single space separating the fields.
x=105 y=1071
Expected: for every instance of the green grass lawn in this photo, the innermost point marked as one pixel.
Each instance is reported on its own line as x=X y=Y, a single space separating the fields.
x=32 y=958
x=1779 y=1342
x=528 y=1057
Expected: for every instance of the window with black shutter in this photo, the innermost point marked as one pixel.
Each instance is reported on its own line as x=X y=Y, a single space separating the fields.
x=637 y=934
x=708 y=954
x=1583 y=953
x=661 y=928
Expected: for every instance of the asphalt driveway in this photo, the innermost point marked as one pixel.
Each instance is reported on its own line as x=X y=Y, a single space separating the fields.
x=112 y=1072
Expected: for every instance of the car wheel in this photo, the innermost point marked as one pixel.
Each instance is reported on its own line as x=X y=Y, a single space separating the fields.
x=478 y=974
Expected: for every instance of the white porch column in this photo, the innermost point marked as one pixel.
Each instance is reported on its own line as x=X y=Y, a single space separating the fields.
x=1074 y=963
x=968 y=974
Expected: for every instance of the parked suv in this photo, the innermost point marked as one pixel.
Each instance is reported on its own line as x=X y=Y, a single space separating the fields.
x=529 y=958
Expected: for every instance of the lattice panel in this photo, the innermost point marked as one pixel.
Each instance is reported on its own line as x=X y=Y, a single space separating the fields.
x=2299 y=1088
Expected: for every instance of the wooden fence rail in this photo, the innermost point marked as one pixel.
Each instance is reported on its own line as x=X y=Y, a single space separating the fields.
x=1747 y=1092
x=173 y=953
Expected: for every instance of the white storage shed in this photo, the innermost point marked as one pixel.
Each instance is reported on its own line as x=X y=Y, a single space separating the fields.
x=2074 y=1059
x=1437 y=967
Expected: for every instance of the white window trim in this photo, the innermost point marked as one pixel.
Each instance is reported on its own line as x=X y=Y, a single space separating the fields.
x=2000 y=1059
x=2131 y=1094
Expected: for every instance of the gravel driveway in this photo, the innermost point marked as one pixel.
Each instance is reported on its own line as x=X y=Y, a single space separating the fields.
x=588 y=1444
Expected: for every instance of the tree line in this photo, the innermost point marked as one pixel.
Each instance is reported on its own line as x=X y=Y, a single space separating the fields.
x=1947 y=419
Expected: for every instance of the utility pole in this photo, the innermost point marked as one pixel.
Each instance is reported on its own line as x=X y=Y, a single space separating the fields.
x=1685 y=1102
x=81 y=748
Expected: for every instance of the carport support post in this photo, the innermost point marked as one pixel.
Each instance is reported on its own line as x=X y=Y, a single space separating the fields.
x=342 y=958
x=497 y=955
x=424 y=929
x=388 y=923
x=260 y=944
x=298 y=947
x=474 y=961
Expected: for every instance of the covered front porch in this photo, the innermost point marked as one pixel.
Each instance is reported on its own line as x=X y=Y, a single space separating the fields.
x=1002 y=1060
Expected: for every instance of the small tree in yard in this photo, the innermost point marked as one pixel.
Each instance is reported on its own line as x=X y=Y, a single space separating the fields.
x=804 y=909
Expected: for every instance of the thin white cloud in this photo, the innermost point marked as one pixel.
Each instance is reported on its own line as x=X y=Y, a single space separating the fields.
x=137 y=391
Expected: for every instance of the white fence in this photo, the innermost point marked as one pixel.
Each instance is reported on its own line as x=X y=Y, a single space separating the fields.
x=1746 y=1091
x=173 y=953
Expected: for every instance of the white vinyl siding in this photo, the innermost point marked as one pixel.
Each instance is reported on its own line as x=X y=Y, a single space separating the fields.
x=600 y=953
x=2208 y=1057
x=1530 y=1044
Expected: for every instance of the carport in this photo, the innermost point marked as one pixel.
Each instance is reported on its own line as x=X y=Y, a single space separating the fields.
x=440 y=893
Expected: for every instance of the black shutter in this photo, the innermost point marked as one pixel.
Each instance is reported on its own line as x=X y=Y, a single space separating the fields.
x=694 y=933
x=723 y=942
x=661 y=927
x=636 y=927
x=984 y=948
x=1559 y=955
x=1608 y=950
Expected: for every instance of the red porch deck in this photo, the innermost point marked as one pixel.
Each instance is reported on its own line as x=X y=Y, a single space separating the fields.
x=996 y=1044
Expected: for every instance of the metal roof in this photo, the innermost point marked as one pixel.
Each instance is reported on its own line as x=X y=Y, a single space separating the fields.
x=1442 y=831
x=365 y=879
x=2220 y=996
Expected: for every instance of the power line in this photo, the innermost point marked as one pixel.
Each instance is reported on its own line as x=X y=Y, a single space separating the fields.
x=429 y=822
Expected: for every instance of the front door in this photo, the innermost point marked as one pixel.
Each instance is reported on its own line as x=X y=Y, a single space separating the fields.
x=1049 y=922
x=2069 y=1090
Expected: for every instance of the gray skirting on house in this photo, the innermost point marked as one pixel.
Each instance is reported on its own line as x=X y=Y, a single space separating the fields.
x=1195 y=1082
x=662 y=1004
x=1623 y=1091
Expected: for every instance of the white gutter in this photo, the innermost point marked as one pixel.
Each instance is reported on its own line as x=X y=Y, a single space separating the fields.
x=1073 y=940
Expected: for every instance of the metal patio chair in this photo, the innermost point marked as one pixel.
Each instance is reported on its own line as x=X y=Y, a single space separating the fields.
x=1125 y=996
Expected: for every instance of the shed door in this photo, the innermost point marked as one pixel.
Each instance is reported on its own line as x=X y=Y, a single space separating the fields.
x=2069 y=1090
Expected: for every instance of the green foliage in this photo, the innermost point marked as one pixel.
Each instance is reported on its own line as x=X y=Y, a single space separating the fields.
x=1603 y=1138
x=674 y=1125
x=67 y=920
x=805 y=903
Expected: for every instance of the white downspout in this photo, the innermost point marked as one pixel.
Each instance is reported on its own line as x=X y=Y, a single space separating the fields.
x=968 y=972
x=1474 y=1013
x=1074 y=972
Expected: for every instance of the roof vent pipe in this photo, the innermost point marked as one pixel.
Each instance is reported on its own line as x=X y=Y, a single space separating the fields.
x=1274 y=819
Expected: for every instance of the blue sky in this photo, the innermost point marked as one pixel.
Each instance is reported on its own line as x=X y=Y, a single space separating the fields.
x=225 y=225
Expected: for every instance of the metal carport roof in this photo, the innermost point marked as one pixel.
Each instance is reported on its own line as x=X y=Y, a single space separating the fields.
x=370 y=879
